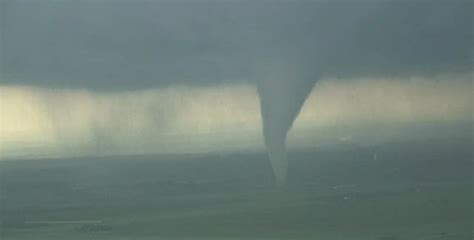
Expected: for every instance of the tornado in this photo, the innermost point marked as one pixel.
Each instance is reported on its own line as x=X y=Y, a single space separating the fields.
x=282 y=90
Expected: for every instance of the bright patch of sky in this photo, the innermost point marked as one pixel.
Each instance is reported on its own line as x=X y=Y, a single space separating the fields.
x=53 y=122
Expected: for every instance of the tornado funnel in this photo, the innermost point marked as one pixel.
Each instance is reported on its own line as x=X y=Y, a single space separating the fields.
x=282 y=93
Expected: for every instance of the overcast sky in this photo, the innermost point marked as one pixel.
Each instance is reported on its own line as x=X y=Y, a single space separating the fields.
x=124 y=44
x=90 y=77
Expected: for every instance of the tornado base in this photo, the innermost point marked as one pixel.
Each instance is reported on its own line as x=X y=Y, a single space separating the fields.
x=279 y=163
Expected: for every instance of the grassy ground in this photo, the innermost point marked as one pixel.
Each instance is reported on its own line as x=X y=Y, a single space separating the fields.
x=409 y=190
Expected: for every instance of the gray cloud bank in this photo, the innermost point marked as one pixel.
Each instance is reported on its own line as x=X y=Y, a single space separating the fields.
x=117 y=45
x=283 y=46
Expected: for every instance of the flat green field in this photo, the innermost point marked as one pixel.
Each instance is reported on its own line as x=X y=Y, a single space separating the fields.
x=408 y=190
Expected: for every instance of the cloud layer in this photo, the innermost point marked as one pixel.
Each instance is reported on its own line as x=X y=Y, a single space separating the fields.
x=124 y=45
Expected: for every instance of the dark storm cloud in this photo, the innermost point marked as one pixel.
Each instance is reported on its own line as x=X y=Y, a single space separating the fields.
x=283 y=46
x=106 y=45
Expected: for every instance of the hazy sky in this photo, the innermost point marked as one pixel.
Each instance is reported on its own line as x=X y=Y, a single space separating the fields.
x=100 y=77
x=51 y=122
